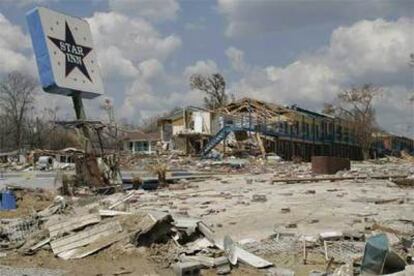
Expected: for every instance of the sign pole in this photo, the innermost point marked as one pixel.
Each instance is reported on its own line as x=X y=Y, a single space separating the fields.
x=81 y=116
x=79 y=109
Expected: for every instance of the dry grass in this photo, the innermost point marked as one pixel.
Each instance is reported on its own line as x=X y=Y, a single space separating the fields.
x=160 y=169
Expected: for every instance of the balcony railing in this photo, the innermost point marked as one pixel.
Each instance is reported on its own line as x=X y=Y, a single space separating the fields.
x=277 y=129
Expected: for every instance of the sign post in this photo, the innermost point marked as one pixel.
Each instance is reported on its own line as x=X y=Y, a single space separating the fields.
x=67 y=63
x=65 y=57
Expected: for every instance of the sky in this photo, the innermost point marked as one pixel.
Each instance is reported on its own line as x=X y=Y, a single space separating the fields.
x=284 y=51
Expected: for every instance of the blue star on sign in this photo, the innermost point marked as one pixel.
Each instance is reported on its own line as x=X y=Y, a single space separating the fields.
x=74 y=53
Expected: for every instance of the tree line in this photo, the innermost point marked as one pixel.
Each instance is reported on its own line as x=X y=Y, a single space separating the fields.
x=22 y=125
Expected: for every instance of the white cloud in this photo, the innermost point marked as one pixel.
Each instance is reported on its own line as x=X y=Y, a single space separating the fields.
x=136 y=38
x=151 y=69
x=13 y=47
x=259 y=16
x=154 y=10
x=132 y=52
x=236 y=58
x=155 y=91
x=143 y=100
x=366 y=52
x=372 y=46
x=201 y=67
x=115 y=66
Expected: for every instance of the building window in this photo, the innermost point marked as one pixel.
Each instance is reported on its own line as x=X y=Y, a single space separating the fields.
x=141 y=146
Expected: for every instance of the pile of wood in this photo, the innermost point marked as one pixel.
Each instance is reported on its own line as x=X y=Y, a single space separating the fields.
x=82 y=231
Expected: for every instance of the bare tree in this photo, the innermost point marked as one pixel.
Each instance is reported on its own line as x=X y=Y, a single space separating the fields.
x=40 y=129
x=214 y=86
x=16 y=100
x=108 y=107
x=5 y=133
x=356 y=106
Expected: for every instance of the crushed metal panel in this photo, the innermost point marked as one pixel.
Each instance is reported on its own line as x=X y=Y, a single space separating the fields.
x=17 y=230
x=251 y=259
x=237 y=253
x=375 y=253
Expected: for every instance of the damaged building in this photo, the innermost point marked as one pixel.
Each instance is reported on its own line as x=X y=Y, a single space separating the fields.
x=288 y=131
x=187 y=129
x=388 y=144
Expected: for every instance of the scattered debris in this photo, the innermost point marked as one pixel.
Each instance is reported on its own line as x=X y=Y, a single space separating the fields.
x=259 y=198
x=180 y=227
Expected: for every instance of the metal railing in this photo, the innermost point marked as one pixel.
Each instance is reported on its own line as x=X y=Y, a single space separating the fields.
x=282 y=129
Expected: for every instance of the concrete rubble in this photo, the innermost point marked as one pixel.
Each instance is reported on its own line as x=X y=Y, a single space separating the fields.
x=251 y=216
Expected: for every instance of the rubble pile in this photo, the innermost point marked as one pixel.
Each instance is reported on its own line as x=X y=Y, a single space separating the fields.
x=75 y=232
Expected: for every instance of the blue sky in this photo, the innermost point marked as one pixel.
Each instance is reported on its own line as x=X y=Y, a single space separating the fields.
x=287 y=52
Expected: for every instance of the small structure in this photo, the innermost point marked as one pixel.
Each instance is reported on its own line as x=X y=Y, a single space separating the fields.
x=141 y=142
x=329 y=164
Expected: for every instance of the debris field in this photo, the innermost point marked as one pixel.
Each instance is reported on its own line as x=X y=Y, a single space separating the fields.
x=238 y=216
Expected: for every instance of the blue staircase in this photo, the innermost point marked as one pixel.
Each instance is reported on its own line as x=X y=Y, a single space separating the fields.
x=215 y=140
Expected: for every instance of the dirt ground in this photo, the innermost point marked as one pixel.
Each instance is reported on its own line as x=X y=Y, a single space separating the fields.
x=104 y=263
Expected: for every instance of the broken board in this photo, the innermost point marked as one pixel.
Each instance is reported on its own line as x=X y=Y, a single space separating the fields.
x=85 y=237
x=73 y=224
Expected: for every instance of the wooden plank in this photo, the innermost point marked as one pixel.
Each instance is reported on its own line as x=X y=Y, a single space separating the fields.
x=126 y=198
x=39 y=244
x=112 y=213
x=260 y=143
x=85 y=237
x=208 y=233
x=204 y=260
x=95 y=246
x=73 y=224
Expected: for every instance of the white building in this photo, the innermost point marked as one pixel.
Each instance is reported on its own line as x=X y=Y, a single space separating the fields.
x=139 y=142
